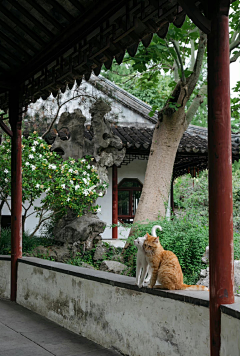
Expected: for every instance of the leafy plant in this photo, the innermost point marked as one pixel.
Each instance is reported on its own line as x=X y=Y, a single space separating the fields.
x=73 y=184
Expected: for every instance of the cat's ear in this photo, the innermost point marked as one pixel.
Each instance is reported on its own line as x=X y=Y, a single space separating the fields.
x=148 y=235
x=156 y=240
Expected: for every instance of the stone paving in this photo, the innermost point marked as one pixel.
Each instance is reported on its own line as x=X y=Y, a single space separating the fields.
x=25 y=333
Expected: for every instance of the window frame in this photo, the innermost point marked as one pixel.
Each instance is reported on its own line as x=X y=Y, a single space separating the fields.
x=131 y=190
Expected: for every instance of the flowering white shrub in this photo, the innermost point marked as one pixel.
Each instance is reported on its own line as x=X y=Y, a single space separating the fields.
x=70 y=184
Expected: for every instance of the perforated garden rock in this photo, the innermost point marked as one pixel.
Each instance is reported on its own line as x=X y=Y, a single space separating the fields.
x=113 y=266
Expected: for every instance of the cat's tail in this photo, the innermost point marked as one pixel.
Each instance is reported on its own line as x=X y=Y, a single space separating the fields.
x=194 y=287
x=154 y=229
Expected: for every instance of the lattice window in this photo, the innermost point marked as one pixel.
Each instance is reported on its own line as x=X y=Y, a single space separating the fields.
x=129 y=192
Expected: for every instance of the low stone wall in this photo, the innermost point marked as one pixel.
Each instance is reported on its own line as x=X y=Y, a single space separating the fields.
x=112 y=311
x=5 y=275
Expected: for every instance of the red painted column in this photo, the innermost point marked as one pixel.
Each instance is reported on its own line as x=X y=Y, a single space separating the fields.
x=220 y=174
x=16 y=186
x=114 y=202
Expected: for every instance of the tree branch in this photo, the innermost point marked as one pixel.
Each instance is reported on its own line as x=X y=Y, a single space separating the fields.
x=59 y=108
x=192 y=80
x=176 y=47
x=197 y=101
x=234 y=44
x=235 y=57
x=192 y=55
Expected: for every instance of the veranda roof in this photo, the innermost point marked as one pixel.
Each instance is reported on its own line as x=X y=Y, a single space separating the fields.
x=46 y=45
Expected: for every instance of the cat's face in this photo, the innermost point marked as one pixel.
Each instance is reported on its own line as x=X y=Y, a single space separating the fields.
x=150 y=243
x=139 y=241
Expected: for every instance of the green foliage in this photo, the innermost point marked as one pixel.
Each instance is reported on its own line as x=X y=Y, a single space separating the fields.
x=183 y=236
x=235 y=108
x=73 y=184
x=28 y=242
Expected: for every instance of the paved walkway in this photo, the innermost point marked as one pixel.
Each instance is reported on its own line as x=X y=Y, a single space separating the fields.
x=24 y=333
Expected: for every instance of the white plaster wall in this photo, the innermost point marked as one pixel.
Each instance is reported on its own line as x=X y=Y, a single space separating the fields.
x=135 y=169
x=230 y=332
x=5 y=273
x=119 y=113
x=135 y=323
x=32 y=221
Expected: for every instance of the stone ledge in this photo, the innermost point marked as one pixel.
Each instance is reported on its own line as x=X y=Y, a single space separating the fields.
x=232 y=309
x=5 y=258
x=192 y=297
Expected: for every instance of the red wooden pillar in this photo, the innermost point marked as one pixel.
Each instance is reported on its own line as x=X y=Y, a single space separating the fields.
x=114 y=202
x=16 y=187
x=220 y=172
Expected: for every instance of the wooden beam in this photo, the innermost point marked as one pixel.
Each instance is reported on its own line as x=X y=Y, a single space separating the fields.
x=21 y=25
x=220 y=173
x=114 y=202
x=78 y=5
x=45 y=14
x=57 y=7
x=31 y=18
x=4 y=27
x=15 y=46
x=10 y=56
x=195 y=15
x=5 y=128
x=79 y=28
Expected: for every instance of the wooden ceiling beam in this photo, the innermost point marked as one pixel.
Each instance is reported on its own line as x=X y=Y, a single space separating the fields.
x=20 y=38
x=22 y=26
x=10 y=55
x=77 y=4
x=31 y=18
x=45 y=14
x=15 y=46
x=72 y=35
x=61 y=10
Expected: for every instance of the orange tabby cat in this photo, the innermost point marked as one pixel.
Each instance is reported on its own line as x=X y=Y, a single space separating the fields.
x=165 y=266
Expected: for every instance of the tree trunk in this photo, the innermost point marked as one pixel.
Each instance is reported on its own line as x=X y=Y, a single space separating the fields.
x=166 y=138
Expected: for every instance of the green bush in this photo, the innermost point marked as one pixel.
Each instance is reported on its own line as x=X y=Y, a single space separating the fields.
x=28 y=243
x=183 y=236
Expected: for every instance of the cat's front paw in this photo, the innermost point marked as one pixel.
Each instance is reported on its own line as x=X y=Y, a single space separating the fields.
x=150 y=286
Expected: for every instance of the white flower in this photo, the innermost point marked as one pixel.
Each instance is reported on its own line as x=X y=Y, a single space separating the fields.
x=33 y=167
x=83 y=160
x=5 y=170
x=88 y=166
x=92 y=187
x=63 y=186
x=68 y=199
x=98 y=210
x=85 y=192
x=47 y=190
x=40 y=155
x=31 y=156
x=27 y=163
x=40 y=138
x=77 y=187
x=70 y=170
x=84 y=173
x=8 y=151
x=6 y=180
x=52 y=166
x=76 y=172
x=33 y=149
x=100 y=194
x=85 y=180
x=35 y=143
x=37 y=185
x=72 y=162
x=71 y=181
